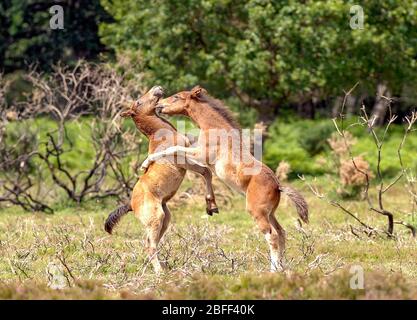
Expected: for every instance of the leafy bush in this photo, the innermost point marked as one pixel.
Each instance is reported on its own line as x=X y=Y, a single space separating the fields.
x=294 y=141
x=284 y=144
x=314 y=138
x=390 y=165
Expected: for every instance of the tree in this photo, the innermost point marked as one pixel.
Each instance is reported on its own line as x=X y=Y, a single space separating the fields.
x=26 y=37
x=268 y=53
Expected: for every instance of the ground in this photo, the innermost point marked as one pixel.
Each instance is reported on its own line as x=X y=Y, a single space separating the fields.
x=68 y=254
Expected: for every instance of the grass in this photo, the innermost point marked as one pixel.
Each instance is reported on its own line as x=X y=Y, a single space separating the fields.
x=220 y=257
x=68 y=255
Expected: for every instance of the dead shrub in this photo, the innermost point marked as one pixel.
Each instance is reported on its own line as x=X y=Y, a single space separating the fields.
x=349 y=171
x=355 y=173
x=69 y=93
x=65 y=95
x=352 y=177
x=339 y=145
x=19 y=172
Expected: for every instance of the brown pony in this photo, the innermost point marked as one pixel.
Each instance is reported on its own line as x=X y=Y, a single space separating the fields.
x=218 y=132
x=161 y=181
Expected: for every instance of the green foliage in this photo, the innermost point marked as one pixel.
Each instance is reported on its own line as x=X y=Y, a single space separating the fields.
x=314 y=138
x=272 y=51
x=389 y=162
x=26 y=37
x=296 y=141
x=285 y=144
x=17 y=89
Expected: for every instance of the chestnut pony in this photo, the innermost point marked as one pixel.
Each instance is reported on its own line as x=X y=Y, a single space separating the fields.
x=251 y=177
x=161 y=181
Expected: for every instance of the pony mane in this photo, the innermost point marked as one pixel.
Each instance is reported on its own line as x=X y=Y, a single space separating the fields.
x=221 y=109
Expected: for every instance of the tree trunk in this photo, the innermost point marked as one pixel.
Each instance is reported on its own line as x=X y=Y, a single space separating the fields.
x=351 y=103
x=381 y=102
x=267 y=108
x=306 y=109
x=266 y=113
x=337 y=107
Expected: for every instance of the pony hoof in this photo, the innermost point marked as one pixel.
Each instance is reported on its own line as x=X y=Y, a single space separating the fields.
x=212 y=210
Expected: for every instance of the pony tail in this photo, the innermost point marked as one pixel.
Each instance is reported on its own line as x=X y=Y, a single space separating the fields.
x=298 y=200
x=115 y=217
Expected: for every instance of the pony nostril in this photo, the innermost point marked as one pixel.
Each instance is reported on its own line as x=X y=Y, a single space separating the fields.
x=158 y=110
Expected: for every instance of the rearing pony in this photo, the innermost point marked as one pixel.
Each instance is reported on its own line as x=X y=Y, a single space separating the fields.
x=160 y=183
x=251 y=177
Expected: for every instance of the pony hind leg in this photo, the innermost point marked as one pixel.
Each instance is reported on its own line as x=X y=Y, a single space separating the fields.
x=262 y=204
x=277 y=253
x=167 y=219
x=153 y=218
x=272 y=238
x=164 y=228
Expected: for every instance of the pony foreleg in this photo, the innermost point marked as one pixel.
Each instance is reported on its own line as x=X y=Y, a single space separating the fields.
x=189 y=153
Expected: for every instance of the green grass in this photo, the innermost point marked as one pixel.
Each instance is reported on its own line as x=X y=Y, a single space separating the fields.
x=219 y=257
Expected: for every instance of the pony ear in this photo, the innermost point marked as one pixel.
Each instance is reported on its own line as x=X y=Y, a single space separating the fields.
x=127 y=113
x=197 y=91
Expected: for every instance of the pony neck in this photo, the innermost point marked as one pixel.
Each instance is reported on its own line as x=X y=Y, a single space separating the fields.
x=150 y=124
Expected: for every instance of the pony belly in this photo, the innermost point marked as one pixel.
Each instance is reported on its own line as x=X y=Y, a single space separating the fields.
x=163 y=180
x=228 y=174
